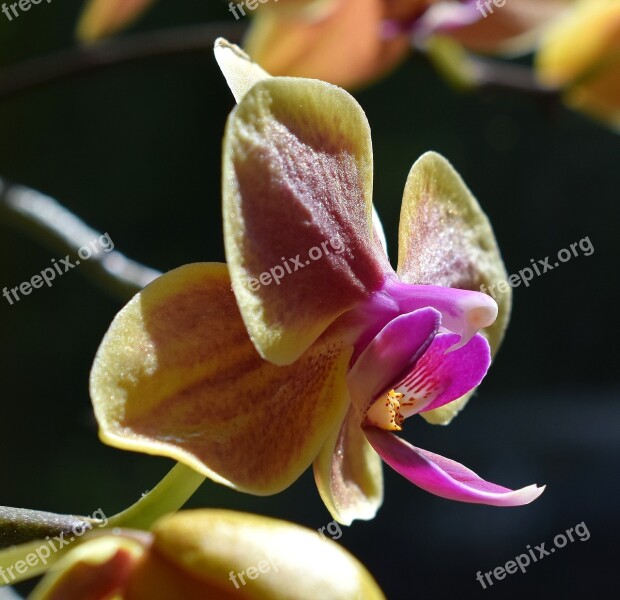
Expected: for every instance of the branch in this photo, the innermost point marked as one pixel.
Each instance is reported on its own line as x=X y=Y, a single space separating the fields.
x=19 y=525
x=469 y=72
x=495 y=74
x=38 y=72
x=49 y=222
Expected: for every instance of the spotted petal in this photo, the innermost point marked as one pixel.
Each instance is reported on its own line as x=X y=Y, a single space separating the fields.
x=297 y=209
x=442 y=476
x=176 y=375
x=390 y=355
x=440 y=377
x=349 y=474
x=409 y=357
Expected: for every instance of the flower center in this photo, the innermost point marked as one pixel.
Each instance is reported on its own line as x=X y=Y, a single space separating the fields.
x=385 y=412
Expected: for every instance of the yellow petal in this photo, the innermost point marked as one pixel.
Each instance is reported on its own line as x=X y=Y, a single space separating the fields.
x=97 y=568
x=101 y=18
x=297 y=210
x=209 y=554
x=445 y=239
x=599 y=97
x=177 y=375
x=582 y=54
x=349 y=473
x=337 y=41
x=260 y=558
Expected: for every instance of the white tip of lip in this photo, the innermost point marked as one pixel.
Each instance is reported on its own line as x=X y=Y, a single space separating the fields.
x=478 y=315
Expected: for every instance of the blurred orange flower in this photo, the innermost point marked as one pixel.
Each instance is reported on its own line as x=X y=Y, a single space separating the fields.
x=581 y=53
x=352 y=42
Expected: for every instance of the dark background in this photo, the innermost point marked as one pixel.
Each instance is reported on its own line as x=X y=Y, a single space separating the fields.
x=135 y=151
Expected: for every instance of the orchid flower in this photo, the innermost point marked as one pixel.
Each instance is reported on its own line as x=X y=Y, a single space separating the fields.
x=307 y=347
x=352 y=42
x=581 y=55
x=201 y=554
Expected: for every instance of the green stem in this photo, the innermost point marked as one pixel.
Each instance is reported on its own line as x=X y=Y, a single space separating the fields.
x=468 y=71
x=169 y=495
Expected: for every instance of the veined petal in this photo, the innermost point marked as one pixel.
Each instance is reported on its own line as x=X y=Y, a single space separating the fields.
x=390 y=355
x=101 y=18
x=442 y=476
x=349 y=474
x=446 y=240
x=176 y=375
x=297 y=209
x=333 y=40
x=440 y=376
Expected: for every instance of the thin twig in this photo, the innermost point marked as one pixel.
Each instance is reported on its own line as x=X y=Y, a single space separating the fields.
x=470 y=72
x=20 y=525
x=38 y=72
x=17 y=525
x=52 y=224
x=495 y=74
